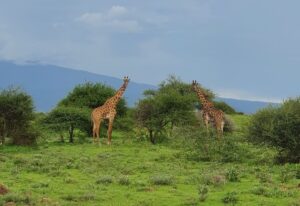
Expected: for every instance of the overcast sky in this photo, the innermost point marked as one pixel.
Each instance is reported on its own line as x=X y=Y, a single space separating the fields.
x=246 y=49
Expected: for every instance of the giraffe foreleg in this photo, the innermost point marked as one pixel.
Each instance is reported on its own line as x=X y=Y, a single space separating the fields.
x=109 y=131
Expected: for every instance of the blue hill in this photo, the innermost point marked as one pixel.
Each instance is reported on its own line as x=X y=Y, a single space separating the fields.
x=48 y=84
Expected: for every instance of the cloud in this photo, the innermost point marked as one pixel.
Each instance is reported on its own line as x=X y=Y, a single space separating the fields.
x=244 y=95
x=116 y=11
x=116 y=19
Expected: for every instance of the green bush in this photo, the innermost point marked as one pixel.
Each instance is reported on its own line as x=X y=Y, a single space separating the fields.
x=203 y=192
x=233 y=175
x=230 y=198
x=279 y=127
x=105 y=180
x=162 y=180
x=16 y=116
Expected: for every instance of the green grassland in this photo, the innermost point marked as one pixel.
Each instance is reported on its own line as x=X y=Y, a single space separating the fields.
x=132 y=172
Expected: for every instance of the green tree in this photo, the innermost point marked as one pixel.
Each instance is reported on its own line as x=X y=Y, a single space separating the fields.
x=63 y=119
x=171 y=105
x=16 y=116
x=279 y=127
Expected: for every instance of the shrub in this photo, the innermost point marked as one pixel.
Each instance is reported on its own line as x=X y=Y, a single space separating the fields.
x=233 y=175
x=161 y=180
x=203 y=192
x=16 y=116
x=230 y=198
x=123 y=180
x=105 y=180
x=279 y=127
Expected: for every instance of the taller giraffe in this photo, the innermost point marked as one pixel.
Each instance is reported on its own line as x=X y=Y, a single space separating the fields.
x=210 y=113
x=107 y=111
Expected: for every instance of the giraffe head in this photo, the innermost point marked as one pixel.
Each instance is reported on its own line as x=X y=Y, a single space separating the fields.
x=126 y=80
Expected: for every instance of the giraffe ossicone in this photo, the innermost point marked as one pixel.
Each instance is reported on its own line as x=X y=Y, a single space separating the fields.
x=107 y=111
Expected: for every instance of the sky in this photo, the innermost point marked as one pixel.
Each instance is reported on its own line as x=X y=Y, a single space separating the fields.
x=246 y=49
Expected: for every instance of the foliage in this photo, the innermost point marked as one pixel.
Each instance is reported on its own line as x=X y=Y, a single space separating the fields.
x=16 y=116
x=233 y=175
x=68 y=119
x=203 y=192
x=230 y=198
x=171 y=105
x=279 y=127
x=91 y=174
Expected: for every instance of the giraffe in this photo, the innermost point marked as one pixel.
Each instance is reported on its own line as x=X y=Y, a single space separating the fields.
x=107 y=111
x=210 y=113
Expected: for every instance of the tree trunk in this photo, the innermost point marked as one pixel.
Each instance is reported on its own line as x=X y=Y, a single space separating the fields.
x=71 y=133
x=152 y=137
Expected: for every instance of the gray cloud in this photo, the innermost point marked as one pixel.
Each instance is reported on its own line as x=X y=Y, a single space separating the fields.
x=246 y=49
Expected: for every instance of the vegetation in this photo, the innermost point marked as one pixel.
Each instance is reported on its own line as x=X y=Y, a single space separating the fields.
x=68 y=119
x=279 y=127
x=187 y=165
x=16 y=114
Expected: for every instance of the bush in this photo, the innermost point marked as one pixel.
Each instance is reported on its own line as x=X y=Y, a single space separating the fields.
x=16 y=116
x=279 y=127
x=233 y=175
x=230 y=198
x=123 y=180
x=162 y=180
x=203 y=192
x=104 y=180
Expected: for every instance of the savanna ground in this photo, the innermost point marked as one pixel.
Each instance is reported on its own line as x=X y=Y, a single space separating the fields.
x=135 y=172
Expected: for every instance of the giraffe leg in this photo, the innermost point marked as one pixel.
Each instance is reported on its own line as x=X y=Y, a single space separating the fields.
x=98 y=131
x=206 y=122
x=109 y=131
x=220 y=127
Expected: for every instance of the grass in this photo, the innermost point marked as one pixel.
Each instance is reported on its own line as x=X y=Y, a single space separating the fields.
x=138 y=173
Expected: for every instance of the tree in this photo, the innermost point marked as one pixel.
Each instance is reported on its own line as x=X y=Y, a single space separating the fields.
x=279 y=127
x=68 y=119
x=16 y=115
x=91 y=95
x=171 y=105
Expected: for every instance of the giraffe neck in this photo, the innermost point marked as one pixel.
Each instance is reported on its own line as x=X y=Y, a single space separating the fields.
x=203 y=99
x=118 y=95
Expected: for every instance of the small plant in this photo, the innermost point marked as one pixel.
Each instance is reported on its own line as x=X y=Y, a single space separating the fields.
x=123 y=180
x=260 y=191
x=203 y=192
x=232 y=175
x=285 y=175
x=264 y=177
x=162 y=180
x=230 y=198
x=104 y=180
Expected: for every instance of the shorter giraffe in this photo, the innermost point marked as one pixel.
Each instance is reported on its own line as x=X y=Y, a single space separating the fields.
x=210 y=113
x=107 y=111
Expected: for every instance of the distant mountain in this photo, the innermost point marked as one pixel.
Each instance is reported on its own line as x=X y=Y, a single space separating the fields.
x=246 y=106
x=48 y=84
